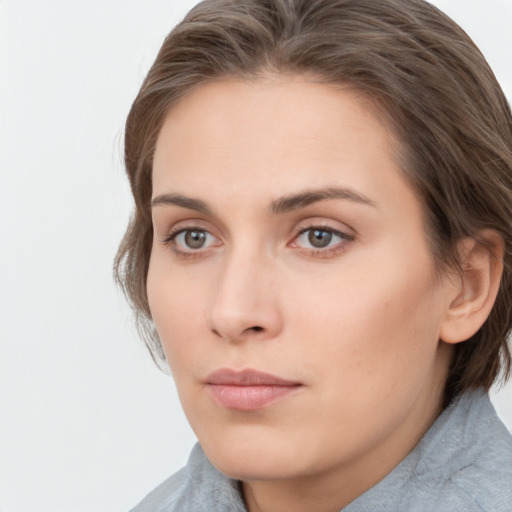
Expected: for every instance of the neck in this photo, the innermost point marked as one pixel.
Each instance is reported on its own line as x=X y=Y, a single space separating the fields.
x=335 y=487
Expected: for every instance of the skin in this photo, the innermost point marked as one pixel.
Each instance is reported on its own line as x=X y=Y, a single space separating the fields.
x=357 y=323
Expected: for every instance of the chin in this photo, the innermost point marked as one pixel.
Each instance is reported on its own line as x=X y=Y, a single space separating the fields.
x=258 y=457
x=255 y=469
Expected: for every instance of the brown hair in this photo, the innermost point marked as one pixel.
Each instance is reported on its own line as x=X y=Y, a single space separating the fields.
x=445 y=105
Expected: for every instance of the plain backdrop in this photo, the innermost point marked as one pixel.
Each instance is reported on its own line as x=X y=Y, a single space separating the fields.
x=87 y=423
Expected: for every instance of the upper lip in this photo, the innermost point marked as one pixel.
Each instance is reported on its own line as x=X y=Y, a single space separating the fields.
x=246 y=377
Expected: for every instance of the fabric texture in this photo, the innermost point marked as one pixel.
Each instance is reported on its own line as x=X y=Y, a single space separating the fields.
x=462 y=464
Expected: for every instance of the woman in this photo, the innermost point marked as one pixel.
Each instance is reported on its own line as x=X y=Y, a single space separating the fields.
x=320 y=251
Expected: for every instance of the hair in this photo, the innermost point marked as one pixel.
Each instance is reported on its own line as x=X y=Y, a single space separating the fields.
x=443 y=101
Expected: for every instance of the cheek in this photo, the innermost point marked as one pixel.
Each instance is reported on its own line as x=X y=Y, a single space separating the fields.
x=174 y=306
x=374 y=322
x=371 y=352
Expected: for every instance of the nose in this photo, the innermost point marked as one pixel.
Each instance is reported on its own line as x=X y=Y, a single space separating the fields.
x=245 y=304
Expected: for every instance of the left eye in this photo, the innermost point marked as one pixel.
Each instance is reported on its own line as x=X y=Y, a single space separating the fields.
x=320 y=238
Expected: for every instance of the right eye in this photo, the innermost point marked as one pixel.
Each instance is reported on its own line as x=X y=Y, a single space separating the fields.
x=191 y=240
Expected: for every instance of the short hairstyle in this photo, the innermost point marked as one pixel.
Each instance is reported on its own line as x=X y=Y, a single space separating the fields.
x=420 y=68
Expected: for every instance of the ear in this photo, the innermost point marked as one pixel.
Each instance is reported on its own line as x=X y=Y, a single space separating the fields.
x=476 y=288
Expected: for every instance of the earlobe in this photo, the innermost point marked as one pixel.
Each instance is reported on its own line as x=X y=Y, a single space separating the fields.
x=476 y=286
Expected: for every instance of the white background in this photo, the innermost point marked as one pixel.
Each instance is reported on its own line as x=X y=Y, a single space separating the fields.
x=87 y=423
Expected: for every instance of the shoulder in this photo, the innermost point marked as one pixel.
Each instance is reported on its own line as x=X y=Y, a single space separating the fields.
x=435 y=496
x=164 y=497
x=467 y=459
x=198 y=487
x=462 y=464
x=486 y=481
x=471 y=490
x=482 y=472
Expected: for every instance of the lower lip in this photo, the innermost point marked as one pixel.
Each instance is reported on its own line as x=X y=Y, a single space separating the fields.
x=249 y=398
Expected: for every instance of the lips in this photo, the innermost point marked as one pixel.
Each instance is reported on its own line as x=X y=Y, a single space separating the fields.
x=248 y=390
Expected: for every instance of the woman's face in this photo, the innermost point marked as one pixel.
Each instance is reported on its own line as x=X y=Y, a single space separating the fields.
x=291 y=283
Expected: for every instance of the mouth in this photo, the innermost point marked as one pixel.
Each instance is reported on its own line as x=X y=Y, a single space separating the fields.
x=248 y=390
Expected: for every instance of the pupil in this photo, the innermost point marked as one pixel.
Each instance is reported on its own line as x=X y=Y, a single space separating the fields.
x=319 y=238
x=195 y=239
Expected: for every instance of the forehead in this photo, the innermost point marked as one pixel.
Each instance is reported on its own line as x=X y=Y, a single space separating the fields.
x=250 y=142
x=274 y=98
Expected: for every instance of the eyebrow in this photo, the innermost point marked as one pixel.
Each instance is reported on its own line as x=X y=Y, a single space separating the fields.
x=281 y=205
x=183 y=201
x=303 y=199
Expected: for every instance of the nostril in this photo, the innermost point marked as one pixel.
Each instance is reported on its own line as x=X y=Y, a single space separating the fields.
x=256 y=328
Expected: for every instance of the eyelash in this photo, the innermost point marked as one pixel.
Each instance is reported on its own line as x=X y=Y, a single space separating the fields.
x=170 y=240
x=326 y=252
